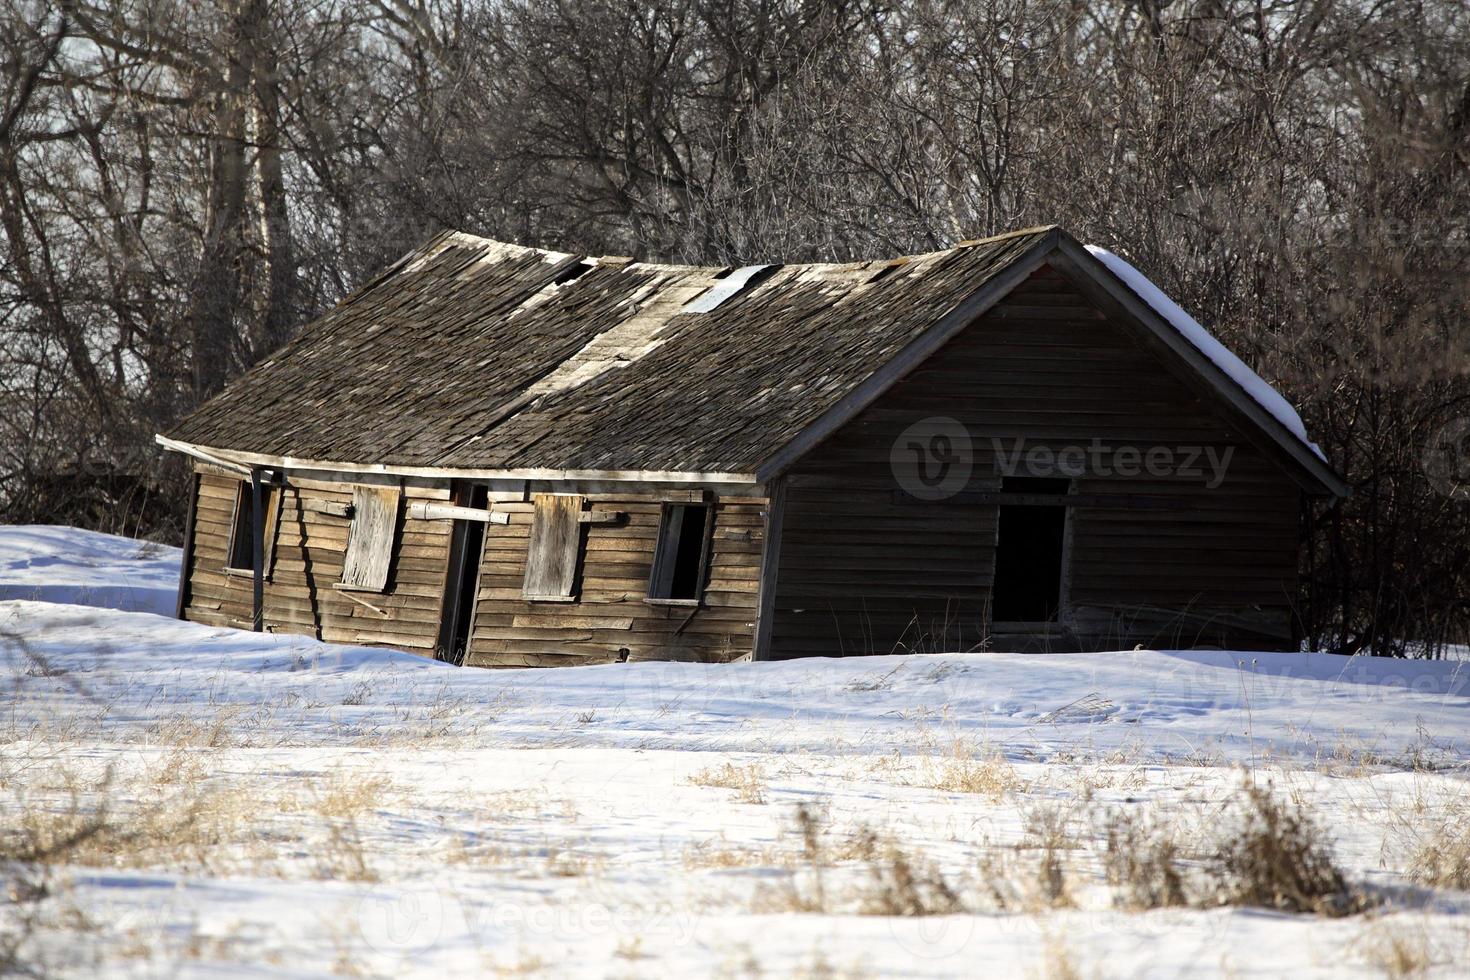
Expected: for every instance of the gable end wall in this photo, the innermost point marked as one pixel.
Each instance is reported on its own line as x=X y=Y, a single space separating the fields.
x=861 y=573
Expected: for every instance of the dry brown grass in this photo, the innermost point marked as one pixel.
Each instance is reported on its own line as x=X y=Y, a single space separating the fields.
x=1271 y=854
x=570 y=863
x=350 y=796
x=749 y=782
x=1050 y=831
x=1441 y=858
x=471 y=849
x=185 y=828
x=630 y=948
x=1009 y=882
x=819 y=967
x=1400 y=952
x=894 y=881
x=214 y=731
x=1058 y=962
x=524 y=964
x=718 y=854
x=171 y=815
x=966 y=769
x=342 y=855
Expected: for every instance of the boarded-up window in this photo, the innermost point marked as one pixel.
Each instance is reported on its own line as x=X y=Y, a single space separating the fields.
x=682 y=553
x=240 y=555
x=556 y=544
x=370 y=539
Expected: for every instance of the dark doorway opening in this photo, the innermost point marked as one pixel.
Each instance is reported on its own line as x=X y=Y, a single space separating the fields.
x=1028 y=552
x=240 y=552
x=466 y=542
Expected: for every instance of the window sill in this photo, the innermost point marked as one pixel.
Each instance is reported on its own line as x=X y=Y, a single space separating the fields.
x=684 y=603
x=345 y=587
x=244 y=573
x=549 y=598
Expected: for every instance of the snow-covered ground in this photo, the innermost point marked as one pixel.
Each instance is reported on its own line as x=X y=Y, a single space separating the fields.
x=61 y=564
x=225 y=803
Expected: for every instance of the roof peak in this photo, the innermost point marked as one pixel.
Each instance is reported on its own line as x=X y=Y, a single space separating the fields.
x=498 y=249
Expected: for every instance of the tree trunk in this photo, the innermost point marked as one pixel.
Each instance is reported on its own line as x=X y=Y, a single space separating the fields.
x=278 y=312
x=216 y=289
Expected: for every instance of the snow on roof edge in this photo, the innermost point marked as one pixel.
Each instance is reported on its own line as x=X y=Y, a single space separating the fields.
x=1205 y=342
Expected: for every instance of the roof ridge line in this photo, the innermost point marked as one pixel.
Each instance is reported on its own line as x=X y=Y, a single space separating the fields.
x=1018 y=233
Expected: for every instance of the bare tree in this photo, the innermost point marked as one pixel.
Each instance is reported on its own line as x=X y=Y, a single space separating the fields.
x=183 y=185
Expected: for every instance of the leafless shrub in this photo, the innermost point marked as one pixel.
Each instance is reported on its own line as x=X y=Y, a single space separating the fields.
x=903 y=885
x=1278 y=858
x=1049 y=831
x=1142 y=864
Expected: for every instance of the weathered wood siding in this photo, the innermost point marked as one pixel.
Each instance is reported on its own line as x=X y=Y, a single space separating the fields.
x=609 y=620
x=309 y=551
x=861 y=573
x=608 y=617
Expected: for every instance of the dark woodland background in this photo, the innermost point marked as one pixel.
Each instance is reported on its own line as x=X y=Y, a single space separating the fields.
x=183 y=184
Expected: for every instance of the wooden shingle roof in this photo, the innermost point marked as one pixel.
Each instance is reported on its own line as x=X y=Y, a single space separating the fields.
x=477 y=357
x=472 y=354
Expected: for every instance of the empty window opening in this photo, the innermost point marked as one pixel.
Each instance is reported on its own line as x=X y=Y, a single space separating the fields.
x=1028 y=553
x=466 y=542
x=370 y=538
x=240 y=556
x=682 y=552
x=555 y=548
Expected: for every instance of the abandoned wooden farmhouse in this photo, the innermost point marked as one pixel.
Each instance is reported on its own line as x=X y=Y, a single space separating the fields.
x=503 y=456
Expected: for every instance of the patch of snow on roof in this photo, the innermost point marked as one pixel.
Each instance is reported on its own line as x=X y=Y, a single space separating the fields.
x=1266 y=396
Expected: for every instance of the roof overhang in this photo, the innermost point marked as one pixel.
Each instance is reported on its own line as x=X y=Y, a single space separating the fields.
x=245 y=461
